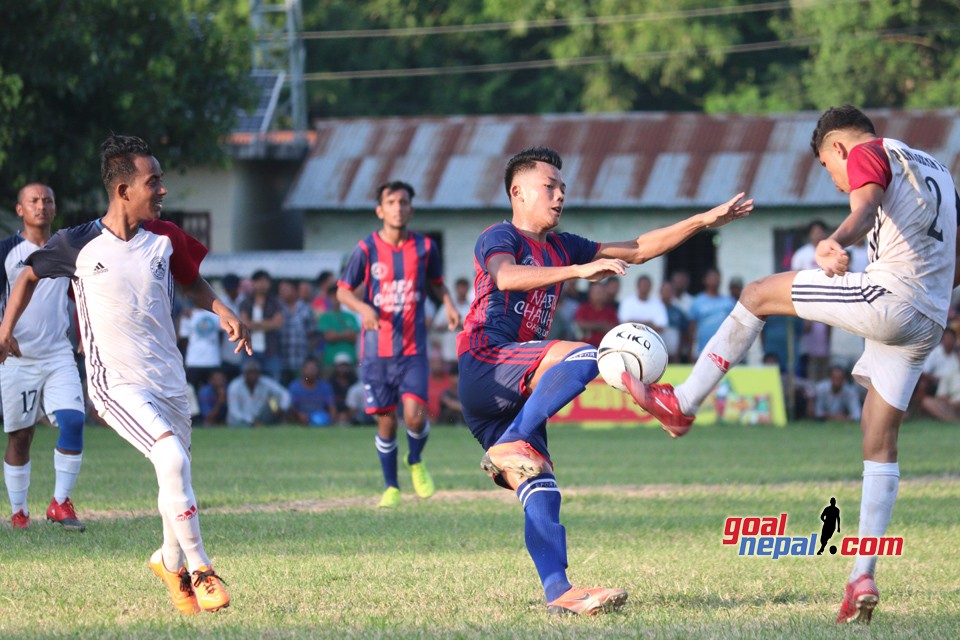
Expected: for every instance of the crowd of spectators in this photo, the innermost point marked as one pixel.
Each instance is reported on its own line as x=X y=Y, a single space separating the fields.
x=305 y=357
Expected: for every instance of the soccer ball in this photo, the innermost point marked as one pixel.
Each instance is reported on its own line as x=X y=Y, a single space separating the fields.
x=634 y=348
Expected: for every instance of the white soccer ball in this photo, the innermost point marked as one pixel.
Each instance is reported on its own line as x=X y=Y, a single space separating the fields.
x=634 y=348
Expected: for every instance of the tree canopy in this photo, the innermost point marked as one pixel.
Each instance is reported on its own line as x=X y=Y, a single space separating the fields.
x=616 y=55
x=73 y=71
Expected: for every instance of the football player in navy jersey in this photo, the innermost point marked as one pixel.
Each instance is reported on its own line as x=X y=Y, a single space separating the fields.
x=512 y=379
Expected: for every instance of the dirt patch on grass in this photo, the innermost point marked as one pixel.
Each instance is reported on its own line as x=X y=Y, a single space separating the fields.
x=633 y=492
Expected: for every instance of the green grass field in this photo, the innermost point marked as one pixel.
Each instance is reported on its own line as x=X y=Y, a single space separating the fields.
x=289 y=518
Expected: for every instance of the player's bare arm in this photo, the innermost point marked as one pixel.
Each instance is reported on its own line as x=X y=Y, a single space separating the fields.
x=864 y=203
x=660 y=241
x=369 y=318
x=510 y=276
x=19 y=298
x=201 y=294
x=439 y=290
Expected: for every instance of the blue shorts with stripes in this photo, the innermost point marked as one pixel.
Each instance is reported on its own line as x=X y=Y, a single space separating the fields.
x=493 y=388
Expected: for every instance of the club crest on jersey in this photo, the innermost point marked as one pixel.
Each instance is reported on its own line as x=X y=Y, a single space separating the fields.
x=158 y=268
x=531 y=261
x=378 y=270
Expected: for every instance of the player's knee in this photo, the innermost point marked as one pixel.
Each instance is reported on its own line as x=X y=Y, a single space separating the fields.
x=70 y=422
x=170 y=460
x=18 y=442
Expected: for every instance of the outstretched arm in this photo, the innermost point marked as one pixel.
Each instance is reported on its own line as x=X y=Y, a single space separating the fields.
x=510 y=276
x=201 y=294
x=660 y=241
x=19 y=298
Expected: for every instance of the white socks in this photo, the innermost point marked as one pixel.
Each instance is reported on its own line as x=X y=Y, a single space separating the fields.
x=881 y=480
x=67 y=468
x=177 y=504
x=727 y=347
x=18 y=481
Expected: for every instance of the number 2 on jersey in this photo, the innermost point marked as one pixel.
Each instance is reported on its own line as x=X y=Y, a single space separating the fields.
x=933 y=232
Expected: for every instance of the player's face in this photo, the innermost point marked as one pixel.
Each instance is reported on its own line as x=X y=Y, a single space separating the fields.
x=539 y=193
x=146 y=190
x=37 y=206
x=833 y=157
x=395 y=209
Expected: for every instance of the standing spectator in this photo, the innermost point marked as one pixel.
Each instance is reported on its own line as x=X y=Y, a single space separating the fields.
x=321 y=303
x=339 y=329
x=814 y=345
x=675 y=335
x=311 y=398
x=343 y=378
x=230 y=360
x=836 y=398
x=681 y=291
x=563 y=326
x=262 y=313
x=212 y=399
x=612 y=288
x=254 y=399
x=447 y=338
x=595 y=316
x=735 y=287
x=201 y=329
x=642 y=308
x=298 y=328
x=709 y=310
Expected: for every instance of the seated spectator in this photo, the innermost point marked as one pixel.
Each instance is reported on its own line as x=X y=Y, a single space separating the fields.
x=254 y=399
x=596 y=316
x=213 y=399
x=836 y=397
x=943 y=361
x=344 y=376
x=311 y=398
x=945 y=405
x=451 y=410
x=357 y=406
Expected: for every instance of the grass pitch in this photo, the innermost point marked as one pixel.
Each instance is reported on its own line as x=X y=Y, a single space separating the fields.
x=289 y=518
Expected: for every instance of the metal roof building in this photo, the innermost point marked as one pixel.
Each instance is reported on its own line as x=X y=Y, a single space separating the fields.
x=627 y=160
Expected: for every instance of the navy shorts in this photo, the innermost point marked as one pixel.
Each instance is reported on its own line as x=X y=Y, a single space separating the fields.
x=388 y=380
x=493 y=389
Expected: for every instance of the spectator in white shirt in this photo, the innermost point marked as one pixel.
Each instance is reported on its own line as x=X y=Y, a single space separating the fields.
x=642 y=308
x=254 y=399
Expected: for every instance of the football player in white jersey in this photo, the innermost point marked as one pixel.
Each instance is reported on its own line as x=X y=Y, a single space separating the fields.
x=905 y=203
x=45 y=381
x=123 y=268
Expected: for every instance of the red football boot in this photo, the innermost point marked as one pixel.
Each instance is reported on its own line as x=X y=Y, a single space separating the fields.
x=660 y=401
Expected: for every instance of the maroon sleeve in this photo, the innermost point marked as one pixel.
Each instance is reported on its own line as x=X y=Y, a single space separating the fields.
x=868 y=162
x=188 y=252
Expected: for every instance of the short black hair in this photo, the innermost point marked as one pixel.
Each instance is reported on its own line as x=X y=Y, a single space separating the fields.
x=117 y=154
x=528 y=159
x=259 y=273
x=394 y=185
x=836 y=119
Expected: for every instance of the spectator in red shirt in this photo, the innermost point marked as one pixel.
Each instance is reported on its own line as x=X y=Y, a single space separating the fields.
x=595 y=316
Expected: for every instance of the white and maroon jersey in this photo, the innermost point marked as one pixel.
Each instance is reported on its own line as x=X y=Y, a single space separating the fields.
x=124 y=293
x=912 y=248
x=42 y=329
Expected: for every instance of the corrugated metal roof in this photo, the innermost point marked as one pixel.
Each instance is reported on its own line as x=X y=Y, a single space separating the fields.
x=610 y=160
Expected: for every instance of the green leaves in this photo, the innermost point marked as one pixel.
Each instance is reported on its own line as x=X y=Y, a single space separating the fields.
x=173 y=72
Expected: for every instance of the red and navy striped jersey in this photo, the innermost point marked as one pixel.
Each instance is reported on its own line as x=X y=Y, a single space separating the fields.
x=499 y=316
x=395 y=284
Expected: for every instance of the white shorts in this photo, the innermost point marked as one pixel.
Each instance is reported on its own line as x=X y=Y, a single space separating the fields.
x=897 y=337
x=141 y=416
x=31 y=388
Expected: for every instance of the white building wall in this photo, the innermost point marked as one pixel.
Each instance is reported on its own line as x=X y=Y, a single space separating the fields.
x=207 y=189
x=746 y=247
